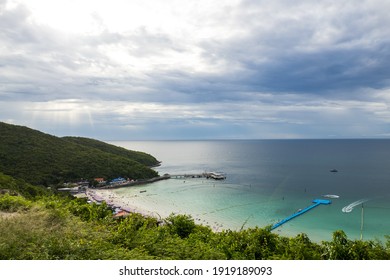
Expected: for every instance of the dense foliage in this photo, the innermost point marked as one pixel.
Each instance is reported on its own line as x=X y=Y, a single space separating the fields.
x=140 y=157
x=47 y=226
x=42 y=159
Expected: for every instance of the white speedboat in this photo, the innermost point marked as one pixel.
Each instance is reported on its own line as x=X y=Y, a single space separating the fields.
x=331 y=196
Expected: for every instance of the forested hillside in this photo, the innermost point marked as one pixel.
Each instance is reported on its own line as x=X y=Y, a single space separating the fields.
x=140 y=157
x=43 y=159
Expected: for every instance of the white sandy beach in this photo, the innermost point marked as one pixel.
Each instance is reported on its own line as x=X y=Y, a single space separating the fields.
x=137 y=200
x=128 y=203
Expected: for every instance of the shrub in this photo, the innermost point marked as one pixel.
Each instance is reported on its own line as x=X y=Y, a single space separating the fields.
x=11 y=203
x=182 y=225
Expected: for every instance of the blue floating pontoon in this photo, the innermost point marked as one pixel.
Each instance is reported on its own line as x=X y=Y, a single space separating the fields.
x=302 y=211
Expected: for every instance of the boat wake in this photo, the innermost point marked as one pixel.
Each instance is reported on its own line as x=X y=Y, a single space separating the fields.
x=350 y=207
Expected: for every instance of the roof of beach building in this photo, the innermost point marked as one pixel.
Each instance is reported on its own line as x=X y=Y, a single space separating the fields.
x=99 y=179
x=118 y=179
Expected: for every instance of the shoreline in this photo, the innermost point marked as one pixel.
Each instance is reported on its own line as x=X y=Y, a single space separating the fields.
x=137 y=203
x=112 y=200
x=147 y=204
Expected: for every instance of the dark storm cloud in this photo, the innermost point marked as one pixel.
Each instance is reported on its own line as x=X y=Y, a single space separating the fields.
x=342 y=71
x=334 y=51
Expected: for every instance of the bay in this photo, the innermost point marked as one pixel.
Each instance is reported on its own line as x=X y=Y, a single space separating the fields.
x=268 y=180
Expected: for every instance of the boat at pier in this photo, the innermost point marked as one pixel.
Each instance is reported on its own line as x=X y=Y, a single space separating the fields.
x=215 y=175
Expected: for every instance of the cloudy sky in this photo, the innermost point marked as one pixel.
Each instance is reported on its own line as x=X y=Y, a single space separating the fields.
x=196 y=69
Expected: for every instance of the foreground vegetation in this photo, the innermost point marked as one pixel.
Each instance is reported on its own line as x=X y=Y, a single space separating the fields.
x=36 y=224
x=43 y=159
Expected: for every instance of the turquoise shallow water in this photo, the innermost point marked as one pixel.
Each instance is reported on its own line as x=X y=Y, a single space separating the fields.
x=270 y=180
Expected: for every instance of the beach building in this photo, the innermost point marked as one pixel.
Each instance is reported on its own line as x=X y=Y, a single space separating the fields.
x=100 y=180
x=118 y=181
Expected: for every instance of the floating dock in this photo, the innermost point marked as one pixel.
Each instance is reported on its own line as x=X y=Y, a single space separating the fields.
x=302 y=211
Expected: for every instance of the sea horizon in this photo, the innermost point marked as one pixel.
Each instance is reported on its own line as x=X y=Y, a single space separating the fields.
x=110 y=140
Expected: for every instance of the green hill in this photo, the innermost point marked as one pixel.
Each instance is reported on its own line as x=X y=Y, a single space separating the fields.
x=140 y=157
x=43 y=159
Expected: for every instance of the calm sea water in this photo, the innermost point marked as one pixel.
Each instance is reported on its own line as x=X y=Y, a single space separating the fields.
x=268 y=180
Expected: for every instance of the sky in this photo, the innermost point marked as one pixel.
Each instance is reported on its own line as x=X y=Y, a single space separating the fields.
x=196 y=69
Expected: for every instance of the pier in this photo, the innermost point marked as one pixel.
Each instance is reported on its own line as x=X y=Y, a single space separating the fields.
x=302 y=211
x=207 y=175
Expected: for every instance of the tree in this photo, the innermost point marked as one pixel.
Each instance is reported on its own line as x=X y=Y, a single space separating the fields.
x=182 y=225
x=338 y=248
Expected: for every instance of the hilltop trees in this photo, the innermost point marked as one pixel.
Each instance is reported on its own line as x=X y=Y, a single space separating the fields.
x=43 y=159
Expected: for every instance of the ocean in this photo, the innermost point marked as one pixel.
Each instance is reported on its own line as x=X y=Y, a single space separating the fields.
x=268 y=180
